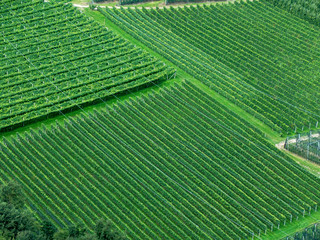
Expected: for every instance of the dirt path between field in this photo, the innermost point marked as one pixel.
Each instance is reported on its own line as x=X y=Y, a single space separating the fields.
x=118 y=7
x=133 y=6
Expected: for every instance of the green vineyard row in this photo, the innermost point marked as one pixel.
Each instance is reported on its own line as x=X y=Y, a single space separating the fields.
x=171 y=165
x=258 y=56
x=53 y=59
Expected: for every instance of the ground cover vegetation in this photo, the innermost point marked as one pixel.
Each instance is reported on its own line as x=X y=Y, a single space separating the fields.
x=177 y=159
x=53 y=60
x=258 y=56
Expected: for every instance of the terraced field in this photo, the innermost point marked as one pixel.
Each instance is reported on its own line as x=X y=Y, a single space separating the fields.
x=256 y=55
x=54 y=60
x=176 y=159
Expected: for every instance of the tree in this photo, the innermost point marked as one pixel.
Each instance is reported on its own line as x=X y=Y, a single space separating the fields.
x=88 y=237
x=21 y=221
x=48 y=230
x=29 y=235
x=12 y=193
x=13 y=221
x=16 y=222
x=61 y=235
x=6 y=215
x=76 y=231
x=105 y=230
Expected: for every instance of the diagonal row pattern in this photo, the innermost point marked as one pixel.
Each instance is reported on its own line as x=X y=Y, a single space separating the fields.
x=258 y=56
x=53 y=59
x=172 y=165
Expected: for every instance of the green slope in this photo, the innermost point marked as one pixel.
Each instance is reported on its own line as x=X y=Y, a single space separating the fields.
x=233 y=49
x=54 y=59
x=171 y=165
x=269 y=133
x=272 y=136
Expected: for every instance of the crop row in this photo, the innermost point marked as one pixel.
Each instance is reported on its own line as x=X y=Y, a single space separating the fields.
x=54 y=60
x=268 y=67
x=172 y=165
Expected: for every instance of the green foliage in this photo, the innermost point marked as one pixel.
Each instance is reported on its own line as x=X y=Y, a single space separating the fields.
x=13 y=221
x=75 y=231
x=60 y=61
x=105 y=230
x=261 y=58
x=88 y=236
x=186 y=1
x=310 y=233
x=92 y=6
x=29 y=235
x=172 y=165
x=62 y=234
x=11 y=193
x=306 y=9
x=305 y=145
x=20 y=224
x=48 y=229
x=126 y=2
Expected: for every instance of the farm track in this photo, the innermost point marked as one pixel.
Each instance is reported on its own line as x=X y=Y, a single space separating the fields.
x=136 y=6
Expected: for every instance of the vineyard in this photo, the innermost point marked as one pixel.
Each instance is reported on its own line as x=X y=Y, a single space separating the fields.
x=53 y=60
x=126 y=2
x=306 y=145
x=176 y=159
x=258 y=56
x=310 y=233
x=192 y=102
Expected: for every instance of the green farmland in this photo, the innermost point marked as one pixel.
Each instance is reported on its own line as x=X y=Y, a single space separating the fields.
x=54 y=60
x=160 y=154
x=126 y=123
x=261 y=58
